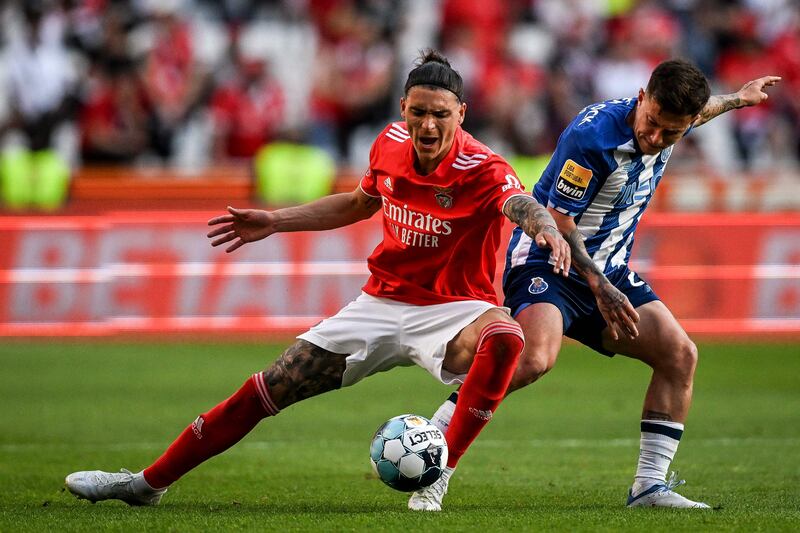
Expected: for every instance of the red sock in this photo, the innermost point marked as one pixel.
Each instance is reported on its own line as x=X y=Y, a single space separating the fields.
x=213 y=432
x=496 y=356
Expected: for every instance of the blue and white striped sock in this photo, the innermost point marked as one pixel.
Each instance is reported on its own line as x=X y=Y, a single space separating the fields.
x=657 y=448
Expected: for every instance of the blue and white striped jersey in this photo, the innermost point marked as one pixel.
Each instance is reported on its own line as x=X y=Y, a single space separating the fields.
x=597 y=175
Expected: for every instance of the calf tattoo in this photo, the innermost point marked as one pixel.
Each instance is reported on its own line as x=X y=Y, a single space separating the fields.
x=302 y=371
x=656 y=415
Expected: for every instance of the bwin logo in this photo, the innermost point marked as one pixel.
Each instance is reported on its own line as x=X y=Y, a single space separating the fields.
x=538 y=286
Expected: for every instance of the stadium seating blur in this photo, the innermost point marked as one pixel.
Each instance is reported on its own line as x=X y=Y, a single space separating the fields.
x=183 y=91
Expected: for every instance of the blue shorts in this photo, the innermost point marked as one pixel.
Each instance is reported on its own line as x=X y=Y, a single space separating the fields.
x=529 y=284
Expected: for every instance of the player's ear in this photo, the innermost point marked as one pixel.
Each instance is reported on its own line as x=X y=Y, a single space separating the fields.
x=640 y=99
x=403 y=107
x=462 y=111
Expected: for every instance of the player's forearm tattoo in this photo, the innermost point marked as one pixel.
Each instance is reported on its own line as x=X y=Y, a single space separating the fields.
x=529 y=215
x=717 y=105
x=581 y=261
x=610 y=298
x=656 y=415
x=302 y=371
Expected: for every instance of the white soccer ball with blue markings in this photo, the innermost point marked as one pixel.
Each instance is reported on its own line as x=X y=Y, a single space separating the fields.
x=408 y=453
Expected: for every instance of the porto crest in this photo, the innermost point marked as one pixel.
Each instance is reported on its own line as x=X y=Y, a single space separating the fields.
x=444 y=196
x=538 y=286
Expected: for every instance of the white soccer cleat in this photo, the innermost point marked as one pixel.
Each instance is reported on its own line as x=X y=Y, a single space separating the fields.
x=662 y=495
x=96 y=485
x=430 y=498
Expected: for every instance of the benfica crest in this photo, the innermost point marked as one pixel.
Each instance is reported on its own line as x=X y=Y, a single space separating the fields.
x=444 y=196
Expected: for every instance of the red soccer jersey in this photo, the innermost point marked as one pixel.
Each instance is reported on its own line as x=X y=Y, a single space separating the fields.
x=440 y=231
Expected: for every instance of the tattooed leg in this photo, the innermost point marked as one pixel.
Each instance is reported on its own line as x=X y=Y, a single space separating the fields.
x=656 y=415
x=302 y=371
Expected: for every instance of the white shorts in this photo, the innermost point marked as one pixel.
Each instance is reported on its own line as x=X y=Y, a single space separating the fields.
x=379 y=334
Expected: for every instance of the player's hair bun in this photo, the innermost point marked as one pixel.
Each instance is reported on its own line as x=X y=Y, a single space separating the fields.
x=432 y=69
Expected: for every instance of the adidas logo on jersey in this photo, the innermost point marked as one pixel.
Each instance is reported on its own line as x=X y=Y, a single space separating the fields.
x=398 y=133
x=467 y=161
x=388 y=183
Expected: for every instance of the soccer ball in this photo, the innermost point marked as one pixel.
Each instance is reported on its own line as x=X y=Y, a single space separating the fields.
x=408 y=453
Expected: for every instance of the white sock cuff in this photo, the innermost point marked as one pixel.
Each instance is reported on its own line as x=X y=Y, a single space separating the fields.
x=661 y=437
x=672 y=430
x=669 y=424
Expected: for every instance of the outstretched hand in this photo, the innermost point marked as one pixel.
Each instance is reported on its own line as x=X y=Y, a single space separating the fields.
x=551 y=238
x=752 y=92
x=618 y=312
x=244 y=225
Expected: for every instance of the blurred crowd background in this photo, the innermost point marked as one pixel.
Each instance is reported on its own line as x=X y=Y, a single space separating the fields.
x=189 y=84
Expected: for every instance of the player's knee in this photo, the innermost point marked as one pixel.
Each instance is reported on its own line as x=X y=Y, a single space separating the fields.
x=533 y=364
x=302 y=371
x=505 y=332
x=493 y=316
x=687 y=358
x=680 y=361
x=503 y=342
x=509 y=345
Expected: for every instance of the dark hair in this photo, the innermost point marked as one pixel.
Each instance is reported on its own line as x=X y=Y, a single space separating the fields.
x=679 y=87
x=433 y=70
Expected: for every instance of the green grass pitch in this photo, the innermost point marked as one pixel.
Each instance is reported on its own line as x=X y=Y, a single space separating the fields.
x=558 y=456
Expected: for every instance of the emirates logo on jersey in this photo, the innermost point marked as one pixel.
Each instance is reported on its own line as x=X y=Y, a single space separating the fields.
x=444 y=196
x=415 y=228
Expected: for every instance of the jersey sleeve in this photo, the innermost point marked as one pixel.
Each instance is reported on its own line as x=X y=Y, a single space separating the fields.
x=577 y=168
x=505 y=185
x=368 y=183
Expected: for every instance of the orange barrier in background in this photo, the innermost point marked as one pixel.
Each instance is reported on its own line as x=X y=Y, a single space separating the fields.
x=139 y=272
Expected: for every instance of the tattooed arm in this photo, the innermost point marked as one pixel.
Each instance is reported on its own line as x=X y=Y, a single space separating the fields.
x=751 y=93
x=615 y=307
x=334 y=211
x=538 y=224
